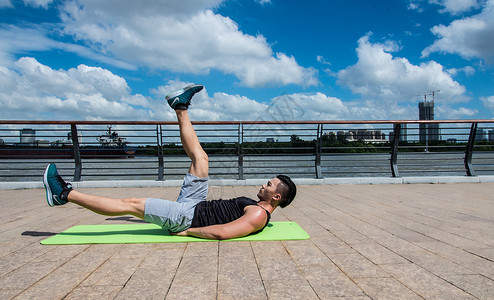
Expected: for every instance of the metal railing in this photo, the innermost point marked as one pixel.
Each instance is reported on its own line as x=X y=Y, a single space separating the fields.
x=248 y=149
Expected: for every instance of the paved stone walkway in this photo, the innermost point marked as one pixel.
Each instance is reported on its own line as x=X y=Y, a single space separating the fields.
x=433 y=241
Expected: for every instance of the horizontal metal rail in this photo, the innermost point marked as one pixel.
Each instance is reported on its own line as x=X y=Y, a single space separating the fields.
x=249 y=149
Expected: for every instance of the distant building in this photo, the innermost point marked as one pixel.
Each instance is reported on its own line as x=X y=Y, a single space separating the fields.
x=27 y=137
x=428 y=132
x=480 y=135
x=345 y=135
x=364 y=135
x=403 y=134
x=330 y=135
x=43 y=143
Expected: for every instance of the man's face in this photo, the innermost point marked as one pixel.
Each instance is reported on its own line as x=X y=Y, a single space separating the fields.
x=268 y=190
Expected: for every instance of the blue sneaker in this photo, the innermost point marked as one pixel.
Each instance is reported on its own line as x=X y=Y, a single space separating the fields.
x=181 y=99
x=56 y=188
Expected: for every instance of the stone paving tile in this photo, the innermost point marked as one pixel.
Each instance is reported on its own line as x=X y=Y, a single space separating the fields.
x=56 y=285
x=239 y=278
x=386 y=288
x=476 y=285
x=330 y=244
x=486 y=253
x=9 y=293
x=202 y=249
x=147 y=284
x=114 y=271
x=94 y=292
x=192 y=290
x=328 y=281
x=425 y=283
x=164 y=257
x=367 y=241
x=305 y=253
x=462 y=257
x=71 y=272
x=197 y=268
x=378 y=254
x=356 y=265
x=27 y=275
x=289 y=288
x=436 y=264
x=274 y=262
x=351 y=236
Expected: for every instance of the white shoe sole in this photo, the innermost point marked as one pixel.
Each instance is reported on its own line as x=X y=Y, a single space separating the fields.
x=181 y=91
x=49 y=194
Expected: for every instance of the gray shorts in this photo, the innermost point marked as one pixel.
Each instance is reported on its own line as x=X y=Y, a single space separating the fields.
x=177 y=215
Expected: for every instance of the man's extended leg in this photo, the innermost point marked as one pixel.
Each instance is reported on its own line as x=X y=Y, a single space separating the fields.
x=109 y=206
x=59 y=192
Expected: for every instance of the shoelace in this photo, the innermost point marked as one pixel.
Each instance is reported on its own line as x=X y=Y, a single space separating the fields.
x=64 y=185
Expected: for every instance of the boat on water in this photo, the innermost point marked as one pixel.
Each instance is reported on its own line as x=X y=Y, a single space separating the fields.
x=111 y=145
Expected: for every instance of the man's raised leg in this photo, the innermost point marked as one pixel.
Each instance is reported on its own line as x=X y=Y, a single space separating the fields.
x=200 y=162
x=180 y=101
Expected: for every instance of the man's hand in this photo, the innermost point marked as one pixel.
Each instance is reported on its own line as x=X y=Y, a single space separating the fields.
x=180 y=233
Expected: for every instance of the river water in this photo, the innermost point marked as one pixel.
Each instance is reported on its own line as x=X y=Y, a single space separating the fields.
x=265 y=166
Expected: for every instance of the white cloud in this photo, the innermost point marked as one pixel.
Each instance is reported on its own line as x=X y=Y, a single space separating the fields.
x=35 y=91
x=38 y=3
x=219 y=107
x=489 y=103
x=379 y=76
x=389 y=85
x=414 y=5
x=468 y=70
x=170 y=35
x=448 y=112
x=32 y=91
x=34 y=3
x=263 y=2
x=456 y=7
x=6 y=3
x=468 y=37
x=36 y=38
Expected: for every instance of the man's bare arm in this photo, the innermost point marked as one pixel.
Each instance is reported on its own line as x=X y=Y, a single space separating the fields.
x=253 y=220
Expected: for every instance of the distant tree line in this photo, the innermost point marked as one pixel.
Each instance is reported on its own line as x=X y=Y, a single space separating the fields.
x=329 y=144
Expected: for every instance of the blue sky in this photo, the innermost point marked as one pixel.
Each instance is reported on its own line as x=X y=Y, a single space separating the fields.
x=335 y=60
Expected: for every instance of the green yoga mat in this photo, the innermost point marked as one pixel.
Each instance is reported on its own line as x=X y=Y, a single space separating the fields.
x=150 y=233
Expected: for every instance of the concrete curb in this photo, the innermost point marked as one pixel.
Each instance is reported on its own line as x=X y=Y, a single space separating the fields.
x=256 y=182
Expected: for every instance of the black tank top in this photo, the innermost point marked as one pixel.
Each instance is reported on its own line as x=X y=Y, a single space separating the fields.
x=222 y=211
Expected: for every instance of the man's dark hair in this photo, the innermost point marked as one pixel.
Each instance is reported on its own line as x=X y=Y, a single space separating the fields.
x=287 y=189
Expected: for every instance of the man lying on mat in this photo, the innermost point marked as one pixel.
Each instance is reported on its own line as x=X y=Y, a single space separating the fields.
x=191 y=214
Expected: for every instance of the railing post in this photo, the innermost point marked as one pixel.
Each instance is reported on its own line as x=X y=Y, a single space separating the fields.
x=77 y=153
x=394 y=150
x=469 y=150
x=318 y=151
x=240 y=151
x=159 y=142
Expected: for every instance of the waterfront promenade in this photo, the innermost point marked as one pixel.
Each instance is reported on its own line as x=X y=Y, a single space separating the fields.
x=380 y=241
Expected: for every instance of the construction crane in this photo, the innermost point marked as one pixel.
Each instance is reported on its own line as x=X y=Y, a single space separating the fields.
x=430 y=93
